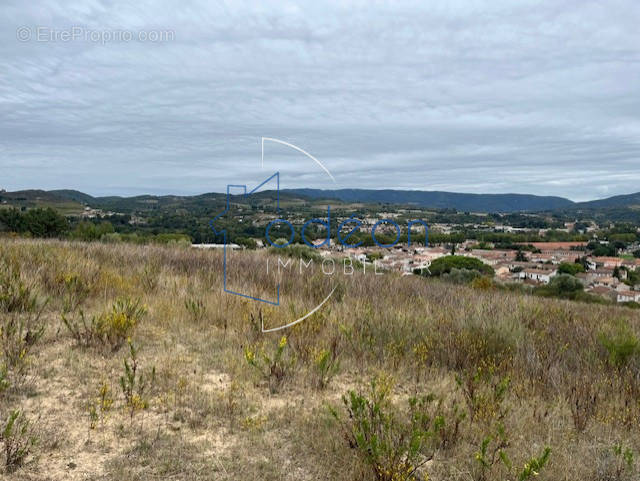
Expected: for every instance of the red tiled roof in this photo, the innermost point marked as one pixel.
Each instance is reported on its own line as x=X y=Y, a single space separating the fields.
x=554 y=245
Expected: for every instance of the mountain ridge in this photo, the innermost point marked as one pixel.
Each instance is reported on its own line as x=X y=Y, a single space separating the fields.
x=443 y=199
x=466 y=202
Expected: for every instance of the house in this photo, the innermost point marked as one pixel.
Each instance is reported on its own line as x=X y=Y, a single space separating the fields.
x=491 y=257
x=631 y=263
x=539 y=275
x=547 y=247
x=216 y=246
x=603 y=292
x=629 y=296
x=607 y=262
x=601 y=273
x=607 y=281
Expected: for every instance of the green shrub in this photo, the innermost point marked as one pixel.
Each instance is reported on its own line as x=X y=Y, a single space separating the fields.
x=485 y=392
x=297 y=251
x=621 y=344
x=492 y=458
x=275 y=367
x=136 y=385
x=563 y=285
x=534 y=465
x=441 y=421
x=100 y=406
x=392 y=445
x=149 y=277
x=196 y=309
x=624 y=466
x=569 y=268
x=75 y=291
x=18 y=335
x=15 y=295
x=18 y=439
x=111 y=328
x=325 y=365
x=444 y=265
x=460 y=276
x=492 y=451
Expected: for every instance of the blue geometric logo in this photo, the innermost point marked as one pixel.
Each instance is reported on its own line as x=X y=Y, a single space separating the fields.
x=223 y=232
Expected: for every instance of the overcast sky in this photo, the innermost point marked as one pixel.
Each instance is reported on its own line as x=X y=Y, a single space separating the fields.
x=468 y=96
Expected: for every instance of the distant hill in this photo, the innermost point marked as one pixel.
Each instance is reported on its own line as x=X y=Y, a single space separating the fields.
x=437 y=199
x=34 y=195
x=73 y=201
x=74 y=195
x=25 y=199
x=629 y=200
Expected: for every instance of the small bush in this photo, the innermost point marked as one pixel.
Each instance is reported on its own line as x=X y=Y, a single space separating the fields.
x=15 y=295
x=149 y=277
x=484 y=392
x=564 y=286
x=196 y=309
x=492 y=452
x=18 y=439
x=439 y=419
x=482 y=282
x=460 y=276
x=19 y=333
x=136 y=385
x=75 y=291
x=583 y=402
x=391 y=445
x=325 y=365
x=621 y=345
x=276 y=367
x=111 y=328
x=532 y=467
x=624 y=465
x=297 y=251
x=101 y=405
x=493 y=458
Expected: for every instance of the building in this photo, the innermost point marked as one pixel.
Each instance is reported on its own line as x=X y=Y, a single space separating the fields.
x=628 y=296
x=542 y=276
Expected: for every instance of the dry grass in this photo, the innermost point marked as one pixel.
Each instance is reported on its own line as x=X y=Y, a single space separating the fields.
x=538 y=368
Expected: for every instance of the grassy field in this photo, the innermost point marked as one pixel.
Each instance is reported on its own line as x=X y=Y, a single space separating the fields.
x=129 y=362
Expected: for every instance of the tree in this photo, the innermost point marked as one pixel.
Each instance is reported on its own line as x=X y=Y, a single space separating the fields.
x=571 y=269
x=446 y=264
x=89 y=231
x=616 y=273
x=45 y=222
x=564 y=286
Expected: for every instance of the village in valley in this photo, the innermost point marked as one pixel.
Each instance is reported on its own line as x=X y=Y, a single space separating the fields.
x=530 y=263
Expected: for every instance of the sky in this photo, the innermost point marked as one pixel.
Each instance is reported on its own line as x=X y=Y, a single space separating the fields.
x=158 y=96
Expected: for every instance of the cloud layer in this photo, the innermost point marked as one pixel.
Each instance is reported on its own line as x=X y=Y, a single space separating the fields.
x=471 y=96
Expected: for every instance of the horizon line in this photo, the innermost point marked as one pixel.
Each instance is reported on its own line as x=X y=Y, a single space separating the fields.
x=167 y=194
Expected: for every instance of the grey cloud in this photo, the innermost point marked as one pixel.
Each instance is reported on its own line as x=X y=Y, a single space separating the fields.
x=491 y=96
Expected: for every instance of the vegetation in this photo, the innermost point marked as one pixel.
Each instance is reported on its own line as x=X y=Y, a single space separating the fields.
x=110 y=328
x=444 y=265
x=170 y=377
x=18 y=438
x=566 y=286
x=391 y=443
x=571 y=269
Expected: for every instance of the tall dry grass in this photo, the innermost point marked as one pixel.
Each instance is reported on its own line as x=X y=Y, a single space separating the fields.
x=539 y=372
